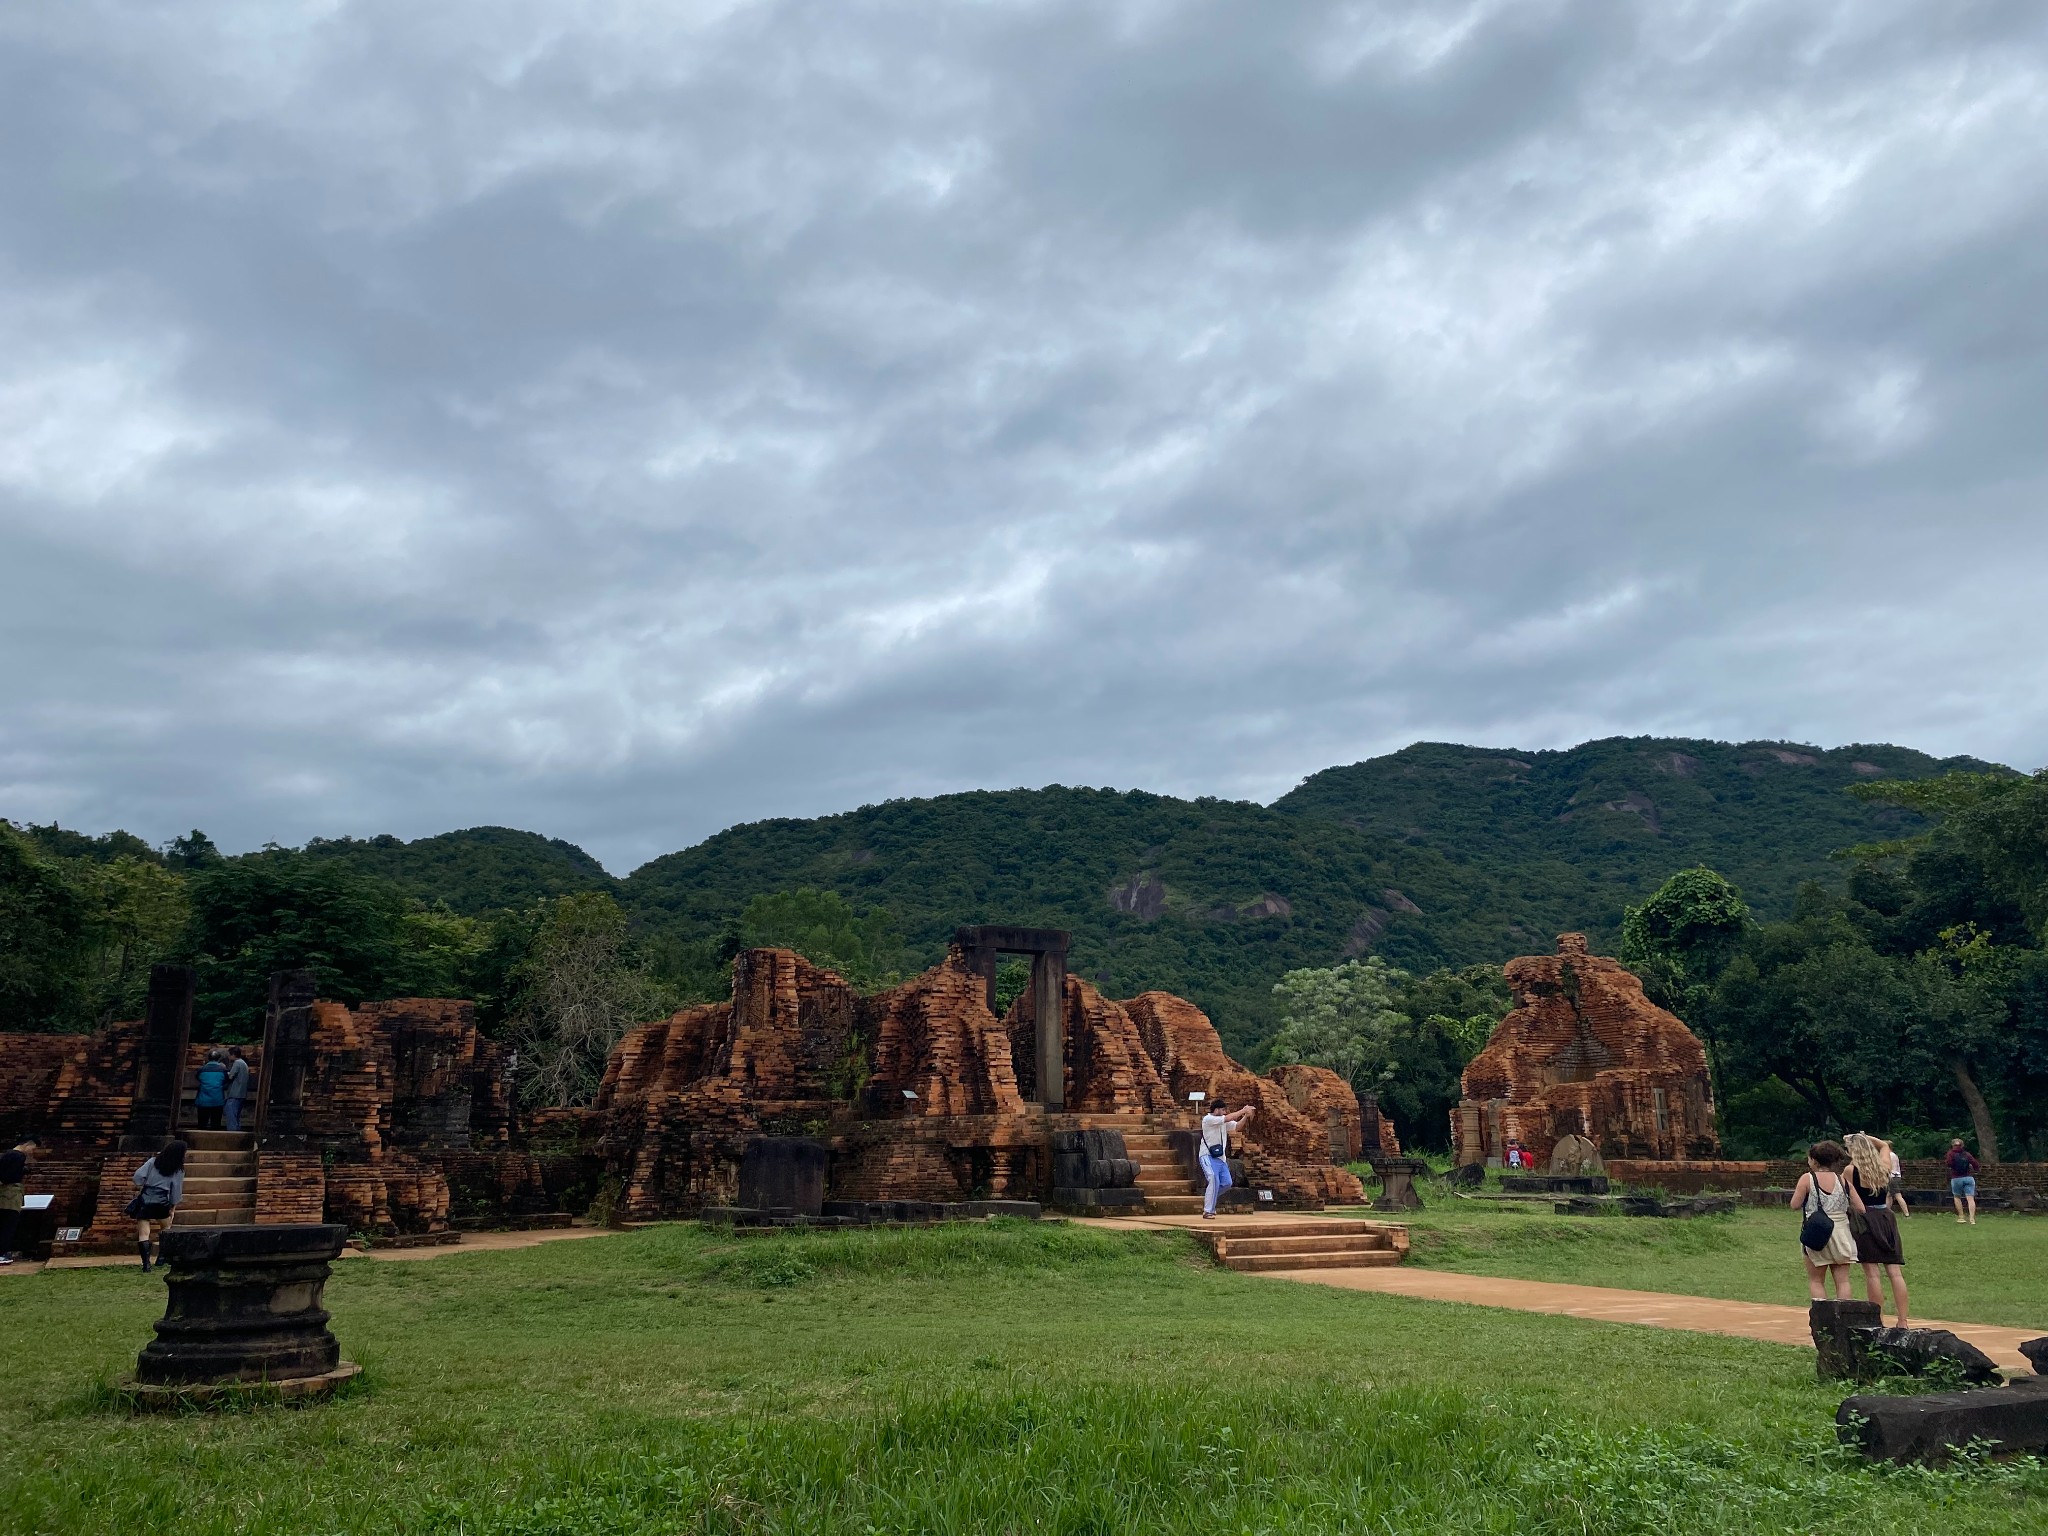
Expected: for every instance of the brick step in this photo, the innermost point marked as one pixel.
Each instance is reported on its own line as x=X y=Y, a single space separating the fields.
x=1237 y=1227
x=1173 y=1205
x=211 y=1190
x=1364 y=1242
x=1261 y=1263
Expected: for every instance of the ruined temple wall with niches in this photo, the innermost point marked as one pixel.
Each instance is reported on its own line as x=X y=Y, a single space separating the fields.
x=920 y=1090
x=1585 y=1052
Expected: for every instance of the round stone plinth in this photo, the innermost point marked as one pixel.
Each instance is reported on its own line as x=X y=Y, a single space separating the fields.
x=157 y=1397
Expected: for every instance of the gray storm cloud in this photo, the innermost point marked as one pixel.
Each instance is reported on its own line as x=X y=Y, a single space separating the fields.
x=620 y=421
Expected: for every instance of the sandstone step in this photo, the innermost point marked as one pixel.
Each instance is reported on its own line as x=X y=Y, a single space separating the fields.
x=1251 y=1247
x=220 y=1165
x=1262 y=1263
x=1274 y=1226
x=217 y=1141
x=1173 y=1205
x=242 y=1216
x=227 y=1190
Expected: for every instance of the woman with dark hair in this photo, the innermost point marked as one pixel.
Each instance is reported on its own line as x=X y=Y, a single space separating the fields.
x=159 y=1186
x=210 y=1089
x=1825 y=1196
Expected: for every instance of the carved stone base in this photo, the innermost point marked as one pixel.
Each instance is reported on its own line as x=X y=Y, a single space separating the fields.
x=244 y=1306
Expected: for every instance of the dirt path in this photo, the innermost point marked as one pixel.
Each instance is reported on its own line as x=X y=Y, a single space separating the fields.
x=1652 y=1309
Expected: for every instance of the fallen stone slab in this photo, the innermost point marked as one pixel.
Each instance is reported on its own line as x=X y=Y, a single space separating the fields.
x=2004 y=1421
x=2036 y=1351
x=1555 y=1184
x=1919 y=1351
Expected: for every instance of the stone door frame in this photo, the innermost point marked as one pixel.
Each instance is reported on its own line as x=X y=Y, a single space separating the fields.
x=984 y=945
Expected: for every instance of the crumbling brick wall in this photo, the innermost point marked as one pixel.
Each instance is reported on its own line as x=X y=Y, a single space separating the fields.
x=1585 y=1052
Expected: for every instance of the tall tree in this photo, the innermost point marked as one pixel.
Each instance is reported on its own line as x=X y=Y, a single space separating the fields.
x=1342 y=1017
x=582 y=993
x=46 y=938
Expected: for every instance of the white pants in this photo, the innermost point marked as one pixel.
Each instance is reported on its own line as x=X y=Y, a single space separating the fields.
x=1217 y=1172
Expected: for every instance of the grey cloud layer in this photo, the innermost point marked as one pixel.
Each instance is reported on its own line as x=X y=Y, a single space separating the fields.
x=621 y=420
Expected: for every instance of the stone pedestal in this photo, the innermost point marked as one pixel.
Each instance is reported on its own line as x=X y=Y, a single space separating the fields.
x=1397 y=1183
x=244 y=1307
x=1841 y=1337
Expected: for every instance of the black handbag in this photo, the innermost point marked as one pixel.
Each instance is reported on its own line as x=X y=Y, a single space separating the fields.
x=1818 y=1230
x=133 y=1209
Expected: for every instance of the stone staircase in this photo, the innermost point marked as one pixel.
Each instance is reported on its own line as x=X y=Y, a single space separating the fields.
x=1253 y=1247
x=1168 y=1191
x=220 y=1179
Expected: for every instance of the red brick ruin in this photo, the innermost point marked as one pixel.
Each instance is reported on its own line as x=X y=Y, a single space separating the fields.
x=1585 y=1053
x=397 y=1117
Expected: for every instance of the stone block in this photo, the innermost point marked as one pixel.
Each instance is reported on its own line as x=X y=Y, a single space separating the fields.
x=1919 y=1351
x=783 y=1172
x=2009 y=1420
x=1840 y=1332
x=2036 y=1351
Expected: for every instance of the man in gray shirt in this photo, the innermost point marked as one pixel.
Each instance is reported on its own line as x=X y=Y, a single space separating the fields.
x=237 y=1088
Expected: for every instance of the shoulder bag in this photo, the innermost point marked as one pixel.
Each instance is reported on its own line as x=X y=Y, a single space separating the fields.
x=1818 y=1230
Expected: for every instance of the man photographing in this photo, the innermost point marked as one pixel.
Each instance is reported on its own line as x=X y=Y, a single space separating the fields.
x=1217 y=1125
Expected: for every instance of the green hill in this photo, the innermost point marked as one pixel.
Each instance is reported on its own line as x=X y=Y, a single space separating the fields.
x=1435 y=855
x=1573 y=836
x=476 y=870
x=1214 y=899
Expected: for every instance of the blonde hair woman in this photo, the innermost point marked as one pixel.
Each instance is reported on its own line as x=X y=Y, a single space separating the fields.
x=1878 y=1247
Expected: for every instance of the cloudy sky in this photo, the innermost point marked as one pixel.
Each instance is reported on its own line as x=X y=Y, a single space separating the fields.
x=620 y=420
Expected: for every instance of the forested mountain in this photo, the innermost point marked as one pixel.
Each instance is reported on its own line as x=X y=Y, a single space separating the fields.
x=480 y=869
x=1213 y=899
x=1570 y=837
x=1433 y=856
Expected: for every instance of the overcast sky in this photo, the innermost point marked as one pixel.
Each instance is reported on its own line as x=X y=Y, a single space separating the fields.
x=622 y=420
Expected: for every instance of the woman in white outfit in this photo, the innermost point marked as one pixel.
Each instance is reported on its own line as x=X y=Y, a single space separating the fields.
x=1822 y=1189
x=1216 y=1128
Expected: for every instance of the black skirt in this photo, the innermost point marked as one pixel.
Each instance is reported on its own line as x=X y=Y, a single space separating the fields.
x=1878 y=1241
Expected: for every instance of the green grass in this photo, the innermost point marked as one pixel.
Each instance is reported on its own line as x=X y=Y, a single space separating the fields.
x=1001 y=1378
x=1995 y=1272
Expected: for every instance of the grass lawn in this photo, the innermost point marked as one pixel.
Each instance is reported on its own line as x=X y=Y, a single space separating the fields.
x=1994 y=1272
x=991 y=1378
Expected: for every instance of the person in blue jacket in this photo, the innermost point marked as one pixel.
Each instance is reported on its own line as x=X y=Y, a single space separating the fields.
x=211 y=1094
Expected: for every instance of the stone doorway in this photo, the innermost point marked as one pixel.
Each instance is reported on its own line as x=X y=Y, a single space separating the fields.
x=983 y=947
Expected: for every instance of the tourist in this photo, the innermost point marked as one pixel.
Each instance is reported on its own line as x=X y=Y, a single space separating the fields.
x=1895 y=1183
x=1822 y=1190
x=1962 y=1181
x=210 y=1094
x=159 y=1186
x=1878 y=1248
x=1216 y=1128
x=237 y=1088
x=13 y=1172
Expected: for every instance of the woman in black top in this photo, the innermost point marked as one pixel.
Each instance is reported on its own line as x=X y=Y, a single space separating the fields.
x=1878 y=1246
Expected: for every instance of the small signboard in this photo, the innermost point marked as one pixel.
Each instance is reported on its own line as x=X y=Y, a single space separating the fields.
x=36 y=1202
x=1196 y=1098
x=1265 y=1194
x=69 y=1234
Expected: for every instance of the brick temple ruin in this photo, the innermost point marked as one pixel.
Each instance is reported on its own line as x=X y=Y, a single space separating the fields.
x=1585 y=1053
x=392 y=1117
x=922 y=1092
x=398 y=1118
